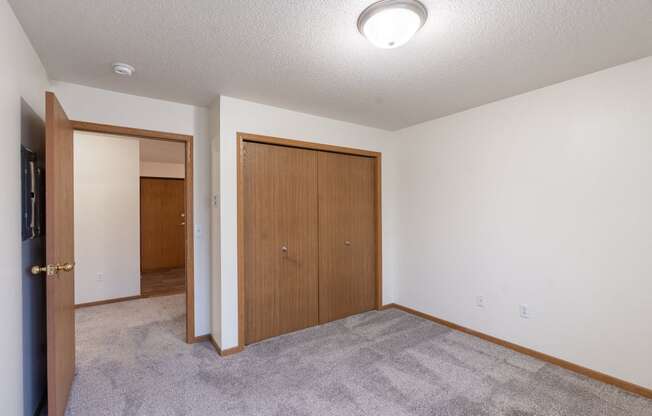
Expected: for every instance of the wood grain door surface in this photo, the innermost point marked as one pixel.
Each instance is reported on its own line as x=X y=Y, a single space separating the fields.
x=162 y=223
x=280 y=239
x=346 y=235
x=60 y=249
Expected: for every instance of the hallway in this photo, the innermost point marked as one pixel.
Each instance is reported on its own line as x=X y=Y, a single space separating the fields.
x=163 y=283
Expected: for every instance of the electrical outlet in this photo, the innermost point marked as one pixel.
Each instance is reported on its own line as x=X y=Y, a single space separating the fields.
x=479 y=301
x=524 y=311
x=100 y=277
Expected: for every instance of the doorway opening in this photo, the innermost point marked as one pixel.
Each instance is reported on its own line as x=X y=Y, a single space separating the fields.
x=162 y=218
x=133 y=218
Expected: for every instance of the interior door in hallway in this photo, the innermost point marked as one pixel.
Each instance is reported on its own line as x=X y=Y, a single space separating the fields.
x=59 y=255
x=162 y=223
x=280 y=239
x=346 y=235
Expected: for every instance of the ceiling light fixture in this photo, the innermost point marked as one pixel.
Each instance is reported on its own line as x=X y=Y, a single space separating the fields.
x=392 y=23
x=123 y=69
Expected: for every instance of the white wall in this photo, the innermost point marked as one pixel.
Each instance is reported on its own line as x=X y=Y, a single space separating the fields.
x=542 y=199
x=101 y=106
x=162 y=170
x=243 y=116
x=107 y=217
x=21 y=76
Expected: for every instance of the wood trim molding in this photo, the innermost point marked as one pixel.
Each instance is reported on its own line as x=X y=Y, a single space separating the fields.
x=107 y=301
x=214 y=344
x=164 y=178
x=596 y=375
x=189 y=204
x=226 y=352
x=201 y=338
x=240 y=139
x=128 y=131
x=190 y=242
x=256 y=138
x=379 y=233
x=230 y=351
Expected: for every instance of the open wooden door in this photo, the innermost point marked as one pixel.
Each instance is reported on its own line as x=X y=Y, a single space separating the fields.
x=60 y=255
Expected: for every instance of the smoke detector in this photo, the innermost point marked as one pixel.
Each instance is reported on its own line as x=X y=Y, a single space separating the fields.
x=123 y=69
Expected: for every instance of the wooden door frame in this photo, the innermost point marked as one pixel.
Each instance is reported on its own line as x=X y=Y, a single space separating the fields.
x=189 y=203
x=256 y=138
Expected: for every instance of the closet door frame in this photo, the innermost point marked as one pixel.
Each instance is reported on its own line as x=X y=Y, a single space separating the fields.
x=256 y=138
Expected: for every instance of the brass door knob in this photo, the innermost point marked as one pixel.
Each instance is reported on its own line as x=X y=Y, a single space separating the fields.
x=49 y=270
x=52 y=269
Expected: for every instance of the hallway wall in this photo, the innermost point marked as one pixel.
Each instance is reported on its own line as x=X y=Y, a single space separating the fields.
x=107 y=217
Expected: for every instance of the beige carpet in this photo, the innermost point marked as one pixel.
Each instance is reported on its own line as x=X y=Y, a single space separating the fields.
x=131 y=360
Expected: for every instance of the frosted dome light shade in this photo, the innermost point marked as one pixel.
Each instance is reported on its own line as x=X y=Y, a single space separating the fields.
x=391 y=23
x=391 y=28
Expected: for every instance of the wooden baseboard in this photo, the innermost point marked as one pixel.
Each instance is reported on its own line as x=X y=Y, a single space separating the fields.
x=104 y=302
x=228 y=351
x=231 y=351
x=200 y=338
x=596 y=375
x=214 y=344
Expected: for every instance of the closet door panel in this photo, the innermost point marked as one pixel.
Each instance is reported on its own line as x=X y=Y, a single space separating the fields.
x=280 y=240
x=346 y=235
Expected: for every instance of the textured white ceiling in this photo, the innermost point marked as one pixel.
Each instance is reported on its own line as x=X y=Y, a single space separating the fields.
x=307 y=55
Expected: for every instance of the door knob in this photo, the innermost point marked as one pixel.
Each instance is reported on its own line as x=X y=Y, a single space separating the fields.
x=183 y=223
x=284 y=249
x=347 y=243
x=52 y=269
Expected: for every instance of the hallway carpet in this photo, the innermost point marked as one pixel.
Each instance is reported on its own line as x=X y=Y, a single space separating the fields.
x=132 y=360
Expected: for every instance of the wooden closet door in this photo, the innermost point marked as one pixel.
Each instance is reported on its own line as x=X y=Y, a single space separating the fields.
x=346 y=235
x=280 y=239
x=162 y=224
